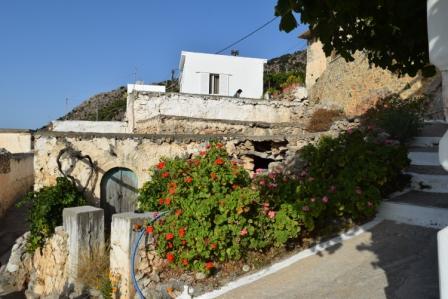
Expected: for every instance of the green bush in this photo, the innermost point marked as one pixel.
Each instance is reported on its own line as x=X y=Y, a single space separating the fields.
x=46 y=209
x=401 y=119
x=350 y=174
x=216 y=213
x=275 y=82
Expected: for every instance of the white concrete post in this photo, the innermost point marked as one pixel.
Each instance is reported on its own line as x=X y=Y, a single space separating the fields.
x=442 y=249
x=121 y=240
x=85 y=228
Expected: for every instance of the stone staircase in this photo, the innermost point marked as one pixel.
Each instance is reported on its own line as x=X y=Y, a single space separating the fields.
x=426 y=202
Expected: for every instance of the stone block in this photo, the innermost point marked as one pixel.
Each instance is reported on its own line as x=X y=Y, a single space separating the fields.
x=122 y=239
x=85 y=228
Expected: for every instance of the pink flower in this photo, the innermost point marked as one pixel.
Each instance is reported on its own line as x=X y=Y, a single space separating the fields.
x=262 y=182
x=272 y=175
x=325 y=199
x=259 y=170
x=350 y=131
x=305 y=208
x=243 y=232
x=271 y=214
x=272 y=186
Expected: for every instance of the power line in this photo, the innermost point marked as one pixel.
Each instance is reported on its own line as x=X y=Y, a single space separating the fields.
x=248 y=35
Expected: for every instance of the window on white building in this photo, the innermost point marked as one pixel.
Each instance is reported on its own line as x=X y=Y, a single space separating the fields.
x=213 y=86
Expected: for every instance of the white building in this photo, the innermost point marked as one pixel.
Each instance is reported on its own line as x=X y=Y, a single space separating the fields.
x=202 y=73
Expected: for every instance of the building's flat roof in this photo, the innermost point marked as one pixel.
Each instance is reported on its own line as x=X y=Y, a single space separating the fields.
x=186 y=53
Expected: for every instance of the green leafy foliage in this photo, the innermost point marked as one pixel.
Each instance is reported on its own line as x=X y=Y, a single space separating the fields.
x=216 y=213
x=401 y=119
x=46 y=209
x=275 y=82
x=350 y=174
x=392 y=33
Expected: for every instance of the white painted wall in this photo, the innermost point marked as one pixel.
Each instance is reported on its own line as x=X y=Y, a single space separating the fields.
x=147 y=87
x=235 y=73
x=15 y=141
x=89 y=126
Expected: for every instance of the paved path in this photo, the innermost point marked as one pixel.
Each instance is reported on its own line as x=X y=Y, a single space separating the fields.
x=390 y=261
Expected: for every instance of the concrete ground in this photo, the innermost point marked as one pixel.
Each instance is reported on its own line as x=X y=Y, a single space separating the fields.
x=389 y=261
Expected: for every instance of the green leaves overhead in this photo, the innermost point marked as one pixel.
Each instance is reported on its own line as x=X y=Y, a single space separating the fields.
x=393 y=33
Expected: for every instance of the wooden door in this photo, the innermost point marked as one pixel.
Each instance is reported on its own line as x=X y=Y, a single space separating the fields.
x=119 y=192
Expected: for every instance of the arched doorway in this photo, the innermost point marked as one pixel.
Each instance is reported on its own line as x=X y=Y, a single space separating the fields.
x=119 y=190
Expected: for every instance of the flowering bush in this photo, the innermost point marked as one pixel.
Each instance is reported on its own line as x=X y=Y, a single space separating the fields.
x=216 y=214
x=350 y=174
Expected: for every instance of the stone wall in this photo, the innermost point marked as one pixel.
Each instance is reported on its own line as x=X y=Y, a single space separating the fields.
x=140 y=153
x=16 y=141
x=143 y=106
x=16 y=178
x=89 y=126
x=355 y=86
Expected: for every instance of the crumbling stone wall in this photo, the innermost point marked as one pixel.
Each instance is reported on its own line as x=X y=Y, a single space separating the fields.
x=140 y=153
x=143 y=106
x=16 y=177
x=355 y=86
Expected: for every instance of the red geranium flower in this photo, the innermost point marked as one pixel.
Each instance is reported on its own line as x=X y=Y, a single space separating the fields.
x=188 y=180
x=208 y=146
x=161 y=165
x=172 y=191
x=219 y=145
x=161 y=201
x=213 y=176
x=170 y=245
x=169 y=236
x=185 y=262
x=182 y=232
x=202 y=153
x=209 y=265
x=170 y=257
x=213 y=246
x=219 y=161
x=184 y=242
x=167 y=201
x=165 y=174
x=178 y=212
x=149 y=229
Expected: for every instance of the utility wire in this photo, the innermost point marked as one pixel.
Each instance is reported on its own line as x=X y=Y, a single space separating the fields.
x=248 y=35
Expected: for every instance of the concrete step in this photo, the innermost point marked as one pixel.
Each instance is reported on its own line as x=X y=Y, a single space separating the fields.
x=434 y=129
x=423 y=169
x=425 y=141
x=429 y=209
x=429 y=182
x=424 y=199
x=426 y=158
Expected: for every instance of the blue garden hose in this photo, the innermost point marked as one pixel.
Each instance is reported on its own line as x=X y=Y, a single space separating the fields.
x=140 y=234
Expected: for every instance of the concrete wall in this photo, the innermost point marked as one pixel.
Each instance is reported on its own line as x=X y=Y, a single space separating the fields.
x=16 y=178
x=15 y=141
x=143 y=106
x=235 y=73
x=316 y=62
x=89 y=126
x=146 y=87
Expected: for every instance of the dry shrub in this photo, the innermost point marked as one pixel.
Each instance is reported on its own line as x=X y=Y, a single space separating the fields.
x=322 y=119
x=94 y=269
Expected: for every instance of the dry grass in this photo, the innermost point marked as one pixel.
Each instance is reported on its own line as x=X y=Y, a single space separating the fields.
x=322 y=119
x=94 y=269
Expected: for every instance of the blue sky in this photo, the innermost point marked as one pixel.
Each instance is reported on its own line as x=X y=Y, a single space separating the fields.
x=51 y=50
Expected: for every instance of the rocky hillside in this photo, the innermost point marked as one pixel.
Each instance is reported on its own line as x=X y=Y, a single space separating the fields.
x=103 y=106
x=293 y=62
x=112 y=105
